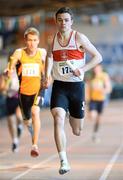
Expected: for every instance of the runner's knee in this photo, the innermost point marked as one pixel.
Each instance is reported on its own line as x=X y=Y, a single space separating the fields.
x=77 y=132
x=27 y=122
x=58 y=121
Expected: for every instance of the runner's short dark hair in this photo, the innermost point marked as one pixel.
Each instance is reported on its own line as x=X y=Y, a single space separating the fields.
x=64 y=10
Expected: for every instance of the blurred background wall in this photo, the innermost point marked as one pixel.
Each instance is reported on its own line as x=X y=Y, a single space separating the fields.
x=105 y=31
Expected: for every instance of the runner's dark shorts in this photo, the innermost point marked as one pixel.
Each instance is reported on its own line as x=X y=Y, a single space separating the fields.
x=97 y=106
x=69 y=96
x=26 y=102
x=11 y=104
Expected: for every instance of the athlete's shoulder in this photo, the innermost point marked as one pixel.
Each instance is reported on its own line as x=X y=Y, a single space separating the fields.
x=17 y=53
x=105 y=74
x=43 y=53
x=42 y=50
x=19 y=50
x=81 y=40
x=81 y=36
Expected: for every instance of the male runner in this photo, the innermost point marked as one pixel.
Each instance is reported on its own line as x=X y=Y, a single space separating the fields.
x=99 y=88
x=68 y=87
x=30 y=65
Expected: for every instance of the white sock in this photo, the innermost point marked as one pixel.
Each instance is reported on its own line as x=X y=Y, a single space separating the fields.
x=15 y=140
x=20 y=126
x=63 y=156
x=34 y=145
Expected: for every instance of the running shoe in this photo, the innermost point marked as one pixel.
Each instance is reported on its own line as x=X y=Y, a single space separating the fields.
x=15 y=147
x=64 y=168
x=30 y=129
x=19 y=130
x=34 y=151
x=96 y=138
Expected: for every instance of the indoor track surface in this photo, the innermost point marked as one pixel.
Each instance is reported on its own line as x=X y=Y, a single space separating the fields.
x=88 y=160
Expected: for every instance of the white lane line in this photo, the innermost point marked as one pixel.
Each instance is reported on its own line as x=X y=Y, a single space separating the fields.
x=111 y=163
x=35 y=166
x=48 y=159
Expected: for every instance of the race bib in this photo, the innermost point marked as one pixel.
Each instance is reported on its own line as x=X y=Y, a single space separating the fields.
x=64 y=69
x=30 y=70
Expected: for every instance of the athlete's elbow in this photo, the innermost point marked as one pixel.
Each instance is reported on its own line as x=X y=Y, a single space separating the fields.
x=100 y=59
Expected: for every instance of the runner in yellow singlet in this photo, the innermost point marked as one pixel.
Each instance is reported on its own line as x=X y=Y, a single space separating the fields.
x=30 y=66
x=99 y=87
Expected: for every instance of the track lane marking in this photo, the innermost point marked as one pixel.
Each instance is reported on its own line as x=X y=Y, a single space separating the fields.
x=52 y=157
x=111 y=163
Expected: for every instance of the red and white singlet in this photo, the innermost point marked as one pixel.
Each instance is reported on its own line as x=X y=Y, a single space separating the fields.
x=70 y=52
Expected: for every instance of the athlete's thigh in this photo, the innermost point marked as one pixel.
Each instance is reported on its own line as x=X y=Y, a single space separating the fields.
x=76 y=121
x=100 y=107
x=93 y=114
x=93 y=105
x=26 y=103
x=12 y=104
x=77 y=101
x=58 y=97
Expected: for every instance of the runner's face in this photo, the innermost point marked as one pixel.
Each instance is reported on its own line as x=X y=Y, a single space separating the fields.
x=32 y=42
x=64 y=22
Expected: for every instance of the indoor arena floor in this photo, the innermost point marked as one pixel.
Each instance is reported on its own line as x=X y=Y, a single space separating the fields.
x=88 y=160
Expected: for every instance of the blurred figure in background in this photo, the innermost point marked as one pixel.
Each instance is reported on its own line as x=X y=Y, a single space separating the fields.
x=30 y=68
x=99 y=88
x=9 y=87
